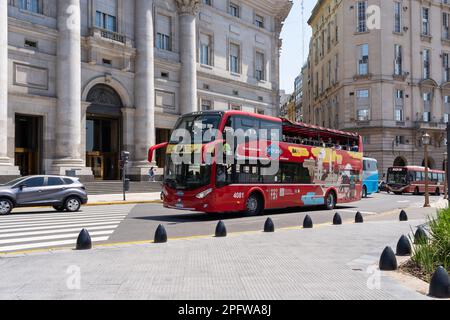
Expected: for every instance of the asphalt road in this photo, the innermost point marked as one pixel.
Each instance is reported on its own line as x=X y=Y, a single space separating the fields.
x=43 y=228
x=143 y=220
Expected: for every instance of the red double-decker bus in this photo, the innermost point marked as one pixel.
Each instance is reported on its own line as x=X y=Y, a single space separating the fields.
x=294 y=165
x=412 y=180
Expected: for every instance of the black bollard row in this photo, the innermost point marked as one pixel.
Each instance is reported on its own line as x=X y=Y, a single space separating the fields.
x=221 y=230
x=269 y=226
x=337 y=220
x=84 y=241
x=421 y=236
x=403 y=216
x=404 y=248
x=308 y=223
x=359 y=218
x=440 y=284
x=161 y=234
x=388 y=261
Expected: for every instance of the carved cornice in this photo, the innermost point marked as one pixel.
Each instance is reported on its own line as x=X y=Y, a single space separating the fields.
x=188 y=6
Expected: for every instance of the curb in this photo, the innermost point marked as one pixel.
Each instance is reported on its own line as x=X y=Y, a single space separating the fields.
x=110 y=203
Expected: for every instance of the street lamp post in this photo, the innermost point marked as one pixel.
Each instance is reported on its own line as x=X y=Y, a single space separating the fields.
x=426 y=141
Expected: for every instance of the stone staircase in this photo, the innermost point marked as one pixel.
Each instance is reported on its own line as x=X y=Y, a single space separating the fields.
x=115 y=187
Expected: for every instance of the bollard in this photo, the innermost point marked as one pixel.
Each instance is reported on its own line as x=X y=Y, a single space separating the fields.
x=403 y=216
x=404 y=248
x=359 y=218
x=337 y=220
x=388 y=261
x=421 y=236
x=308 y=223
x=161 y=234
x=221 y=230
x=269 y=226
x=440 y=284
x=84 y=241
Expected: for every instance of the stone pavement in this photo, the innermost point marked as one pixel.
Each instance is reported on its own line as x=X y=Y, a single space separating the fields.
x=328 y=262
x=103 y=199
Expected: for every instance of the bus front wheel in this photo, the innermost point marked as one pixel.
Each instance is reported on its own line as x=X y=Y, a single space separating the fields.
x=254 y=205
x=330 y=201
x=364 y=192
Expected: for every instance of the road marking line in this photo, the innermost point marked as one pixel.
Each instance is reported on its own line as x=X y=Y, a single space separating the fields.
x=53 y=237
x=55 y=227
x=60 y=217
x=36 y=224
x=53 y=231
x=45 y=245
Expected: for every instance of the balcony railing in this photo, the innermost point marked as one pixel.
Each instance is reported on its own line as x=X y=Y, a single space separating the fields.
x=110 y=35
x=431 y=125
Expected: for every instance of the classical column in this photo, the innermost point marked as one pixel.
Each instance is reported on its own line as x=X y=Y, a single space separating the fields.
x=187 y=10
x=6 y=168
x=68 y=78
x=144 y=128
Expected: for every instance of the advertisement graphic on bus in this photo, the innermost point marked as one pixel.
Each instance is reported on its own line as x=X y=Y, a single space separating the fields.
x=242 y=162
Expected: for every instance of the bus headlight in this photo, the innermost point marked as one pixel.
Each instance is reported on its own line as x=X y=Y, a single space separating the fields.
x=204 y=194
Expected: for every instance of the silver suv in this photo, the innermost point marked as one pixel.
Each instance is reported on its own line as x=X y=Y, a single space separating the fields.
x=63 y=193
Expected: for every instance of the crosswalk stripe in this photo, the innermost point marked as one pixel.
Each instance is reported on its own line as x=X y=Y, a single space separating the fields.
x=53 y=231
x=69 y=225
x=24 y=212
x=53 y=237
x=43 y=223
x=59 y=217
x=37 y=214
x=47 y=244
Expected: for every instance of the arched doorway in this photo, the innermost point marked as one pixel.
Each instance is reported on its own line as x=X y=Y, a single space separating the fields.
x=400 y=162
x=431 y=163
x=103 y=132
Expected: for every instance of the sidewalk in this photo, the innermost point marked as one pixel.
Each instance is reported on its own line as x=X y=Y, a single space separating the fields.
x=327 y=262
x=131 y=198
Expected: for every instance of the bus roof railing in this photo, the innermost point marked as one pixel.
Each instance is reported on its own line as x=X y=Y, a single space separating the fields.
x=312 y=130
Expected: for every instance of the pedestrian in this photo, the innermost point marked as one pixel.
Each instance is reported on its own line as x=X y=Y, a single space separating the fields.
x=151 y=174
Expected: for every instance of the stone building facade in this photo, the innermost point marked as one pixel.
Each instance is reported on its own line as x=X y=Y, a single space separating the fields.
x=83 y=80
x=381 y=68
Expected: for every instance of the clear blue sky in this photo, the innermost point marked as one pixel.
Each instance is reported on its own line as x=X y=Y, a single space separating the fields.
x=292 y=58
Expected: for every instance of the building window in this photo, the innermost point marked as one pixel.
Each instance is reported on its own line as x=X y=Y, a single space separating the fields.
x=207 y=2
x=30 y=5
x=363 y=61
x=399 y=113
x=398 y=64
x=259 y=21
x=205 y=50
x=446 y=109
x=427 y=97
x=397 y=17
x=336 y=68
x=445 y=25
x=163 y=32
x=206 y=105
x=445 y=64
x=234 y=10
x=362 y=16
x=426 y=63
x=363 y=105
x=106 y=21
x=234 y=58
x=425 y=21
x=235 y=107
x=260 y=74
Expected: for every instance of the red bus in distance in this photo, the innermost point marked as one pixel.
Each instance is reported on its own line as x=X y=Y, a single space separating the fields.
x=314 y=166
x=412 y=180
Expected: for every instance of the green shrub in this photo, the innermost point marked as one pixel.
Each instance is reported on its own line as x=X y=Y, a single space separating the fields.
x=436 y=251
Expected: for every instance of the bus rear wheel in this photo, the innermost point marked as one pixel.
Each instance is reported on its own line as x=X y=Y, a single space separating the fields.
x=330 y=201
x=437 y=192
x=416 y=191
x=254 y=205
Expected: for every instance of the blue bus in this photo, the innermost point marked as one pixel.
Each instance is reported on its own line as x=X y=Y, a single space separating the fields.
x=370 y=177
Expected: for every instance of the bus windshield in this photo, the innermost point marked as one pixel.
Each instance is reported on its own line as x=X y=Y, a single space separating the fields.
x=397 y=177
x=196 y=126
x=186 y=176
